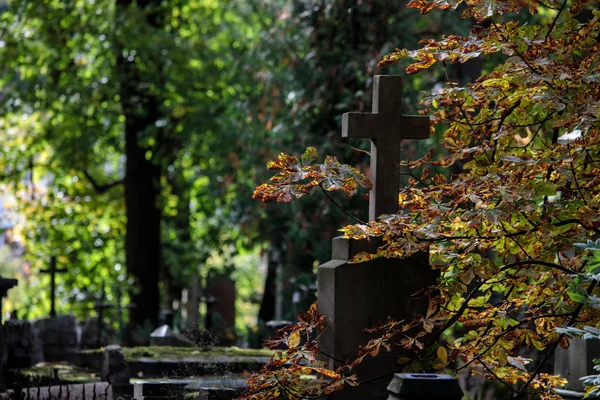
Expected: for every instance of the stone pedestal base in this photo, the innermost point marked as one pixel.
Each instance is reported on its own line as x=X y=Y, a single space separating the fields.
x=357 y=296
x=577 y=361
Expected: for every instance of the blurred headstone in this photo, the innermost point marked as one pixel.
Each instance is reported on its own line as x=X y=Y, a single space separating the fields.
x=164 y=336
x=5 y=285
x=116 y=371
x=24 y=347
x=221 y=308
x=96 y=333
x=575 y=362
x=424 y=387
x=59 y=336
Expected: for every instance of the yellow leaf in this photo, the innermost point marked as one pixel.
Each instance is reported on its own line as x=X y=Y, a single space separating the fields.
x=403 y=360
x=294 y=339
x=442 y=355
x=327 y=372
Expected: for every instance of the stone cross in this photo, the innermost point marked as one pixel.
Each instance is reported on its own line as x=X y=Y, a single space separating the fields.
x=386 y=127
x=52 y=270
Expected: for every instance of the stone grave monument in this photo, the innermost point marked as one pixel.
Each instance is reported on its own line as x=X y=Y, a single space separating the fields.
x=52 y=270
x=220 y=312
x=5 y=285
x=59 y=334
x=95 y=331
x=24 y=347
x=575 y=362
x=356 y=296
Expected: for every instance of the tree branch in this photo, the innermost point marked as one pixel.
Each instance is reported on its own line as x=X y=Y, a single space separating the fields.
x=562 y=7
x=335 y=203
x=550 y=351
x=101 y=188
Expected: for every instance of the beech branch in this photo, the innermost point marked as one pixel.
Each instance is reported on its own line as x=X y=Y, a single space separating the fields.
x=101 y=188
x=552 y=348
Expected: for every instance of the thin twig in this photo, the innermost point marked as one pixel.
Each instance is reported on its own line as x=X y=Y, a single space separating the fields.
x=562 y=7
x=550 y=352
x=335 y=203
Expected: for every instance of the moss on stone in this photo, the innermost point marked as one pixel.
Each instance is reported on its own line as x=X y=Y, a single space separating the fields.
x=179 y=353
x=50 y=373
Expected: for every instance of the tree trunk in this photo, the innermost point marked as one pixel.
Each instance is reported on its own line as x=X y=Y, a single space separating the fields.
x=142 y=239
x=142 y=182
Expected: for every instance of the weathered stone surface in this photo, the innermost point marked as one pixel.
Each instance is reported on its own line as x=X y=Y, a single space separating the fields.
x=116 y=371
x=577 y=361
x=356 y=296
x=114 y=367
x=386 y=127
x=24 y=347
x=59 y=337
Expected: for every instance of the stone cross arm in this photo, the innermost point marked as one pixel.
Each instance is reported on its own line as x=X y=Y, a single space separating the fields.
x=363 y=125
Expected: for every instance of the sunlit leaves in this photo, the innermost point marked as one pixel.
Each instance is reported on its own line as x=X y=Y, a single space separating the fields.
x=295 y=372
x=296 y=179
x=514 y=228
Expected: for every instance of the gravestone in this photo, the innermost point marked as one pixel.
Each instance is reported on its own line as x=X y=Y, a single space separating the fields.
x=575 y=362
x=59 y=337
x=356 y=296
x=165 y=336
x=220 y=314
x=24 y=347
x=116 y=371
x=424 y=387
x=96 y=333
x=190 y=307
x=5 y=285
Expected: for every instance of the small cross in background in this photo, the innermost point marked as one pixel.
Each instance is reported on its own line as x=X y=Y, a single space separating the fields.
x=52 y=270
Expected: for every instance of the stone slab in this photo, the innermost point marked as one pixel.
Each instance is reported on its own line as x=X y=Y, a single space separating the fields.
x=577 y=361
x=357 y=296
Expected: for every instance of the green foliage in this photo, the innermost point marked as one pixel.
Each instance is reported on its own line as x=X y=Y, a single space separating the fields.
x=63 y=153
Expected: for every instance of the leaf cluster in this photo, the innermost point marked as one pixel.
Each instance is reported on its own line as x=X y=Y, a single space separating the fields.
x=502 y=230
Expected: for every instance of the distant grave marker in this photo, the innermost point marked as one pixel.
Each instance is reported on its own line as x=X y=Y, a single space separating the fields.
x=52 y=270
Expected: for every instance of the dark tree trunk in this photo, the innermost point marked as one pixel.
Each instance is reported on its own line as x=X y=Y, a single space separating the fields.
x=142 y=239
x=142 y=183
